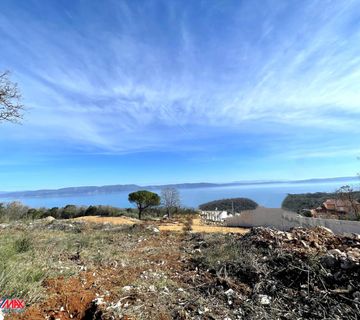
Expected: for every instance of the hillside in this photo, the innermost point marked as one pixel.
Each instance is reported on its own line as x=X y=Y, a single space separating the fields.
x=91 y=190
x=236 y=204
x=298 y=202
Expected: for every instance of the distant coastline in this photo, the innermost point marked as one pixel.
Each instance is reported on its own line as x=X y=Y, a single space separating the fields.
x=108 y=189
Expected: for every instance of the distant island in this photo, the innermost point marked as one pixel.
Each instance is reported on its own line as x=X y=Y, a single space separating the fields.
x=93 y=190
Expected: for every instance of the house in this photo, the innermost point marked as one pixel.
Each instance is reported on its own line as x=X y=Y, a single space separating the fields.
x=341 y=206
x=330 y=204
x=215 y=215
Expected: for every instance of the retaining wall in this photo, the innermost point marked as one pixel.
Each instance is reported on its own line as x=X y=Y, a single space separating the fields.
x=285 y=220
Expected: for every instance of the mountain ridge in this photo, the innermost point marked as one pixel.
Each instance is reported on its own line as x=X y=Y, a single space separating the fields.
x=89 y=190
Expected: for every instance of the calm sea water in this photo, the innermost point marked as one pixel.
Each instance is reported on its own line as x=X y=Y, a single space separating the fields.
x=270 y=195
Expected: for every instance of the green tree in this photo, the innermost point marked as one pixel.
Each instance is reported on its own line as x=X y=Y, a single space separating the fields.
x=91 y=211
x=69 y=211
x=144 y=199
x=54 y=212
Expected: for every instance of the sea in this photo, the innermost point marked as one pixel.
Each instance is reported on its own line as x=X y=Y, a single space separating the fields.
x=267 y=195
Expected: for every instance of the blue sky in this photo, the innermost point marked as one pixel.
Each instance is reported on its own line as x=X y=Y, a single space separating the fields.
x=169 y=91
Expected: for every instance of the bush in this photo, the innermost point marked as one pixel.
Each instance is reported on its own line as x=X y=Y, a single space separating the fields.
x=54 y=212
x=91 y=211
x=69 y=211
x=307 y=213
x=17 y=211
x=23 y=244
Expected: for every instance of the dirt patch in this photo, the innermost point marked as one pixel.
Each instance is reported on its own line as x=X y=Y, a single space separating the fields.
x=171 y=225
x=112 y=220
x=176 y=225
x=68 y=299
x=199 y=226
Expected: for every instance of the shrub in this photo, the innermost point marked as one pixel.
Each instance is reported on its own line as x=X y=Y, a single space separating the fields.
x=54 y=212
x=91 y=211
x=23 y=244
x=69 y=211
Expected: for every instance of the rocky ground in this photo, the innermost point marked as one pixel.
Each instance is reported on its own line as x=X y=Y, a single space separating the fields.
x=81 y=270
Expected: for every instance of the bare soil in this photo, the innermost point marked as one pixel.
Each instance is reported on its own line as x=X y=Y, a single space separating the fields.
x=141 y=270
x=167 y=225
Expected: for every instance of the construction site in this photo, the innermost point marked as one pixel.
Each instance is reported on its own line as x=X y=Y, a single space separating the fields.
x=182 y=268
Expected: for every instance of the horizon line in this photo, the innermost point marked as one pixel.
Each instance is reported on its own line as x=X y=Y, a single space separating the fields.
x=245 y=182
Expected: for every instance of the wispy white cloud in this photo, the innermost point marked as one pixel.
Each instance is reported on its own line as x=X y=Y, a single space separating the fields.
x=127 y=78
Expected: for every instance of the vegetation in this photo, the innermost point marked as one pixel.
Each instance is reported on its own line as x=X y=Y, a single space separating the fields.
x=10 y=107
x=17 y=211
x=347 y=194
x=29 y=258
x=236 y=204
x=144 y=199
x=300 y=202
x=170 y=200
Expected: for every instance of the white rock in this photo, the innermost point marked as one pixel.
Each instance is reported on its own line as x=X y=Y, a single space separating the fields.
x=326 y=229
x=230 y=292
x=337 y=253
x=264 y=299
x=99 y=301
x=49 y=219
x=305 y=245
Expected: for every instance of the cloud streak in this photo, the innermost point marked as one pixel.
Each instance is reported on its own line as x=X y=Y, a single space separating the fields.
x=124 y=77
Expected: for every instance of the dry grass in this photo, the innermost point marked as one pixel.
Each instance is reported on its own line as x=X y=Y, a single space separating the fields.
x=199 y=226
x=52 y=267
x=171 y=227
x=57 y=269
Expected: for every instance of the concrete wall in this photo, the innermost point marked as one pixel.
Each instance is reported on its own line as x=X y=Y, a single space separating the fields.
x=285 y=220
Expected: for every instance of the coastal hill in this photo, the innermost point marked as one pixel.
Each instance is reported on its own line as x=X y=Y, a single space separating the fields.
x=92 y=190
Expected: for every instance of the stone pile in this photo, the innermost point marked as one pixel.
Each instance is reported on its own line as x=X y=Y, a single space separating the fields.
x=271 y=274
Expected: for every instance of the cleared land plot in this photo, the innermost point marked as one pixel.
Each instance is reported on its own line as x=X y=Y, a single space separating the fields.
x=66 y=269
x=171 y=225
x=199 y=226
x=112 y=220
